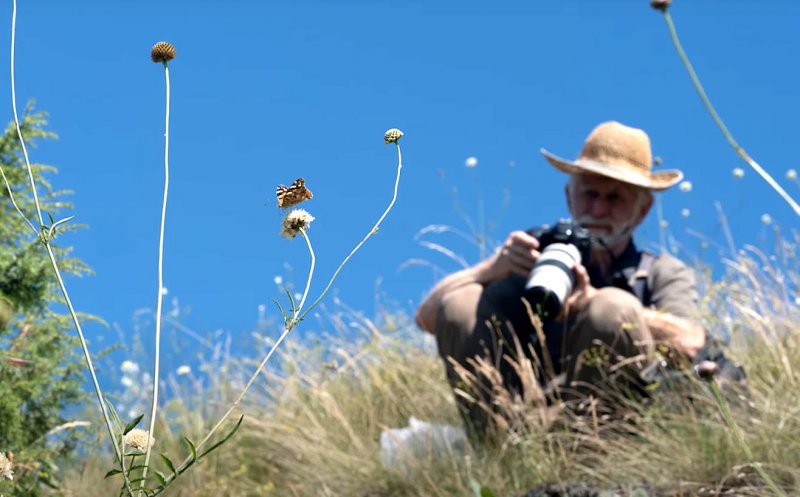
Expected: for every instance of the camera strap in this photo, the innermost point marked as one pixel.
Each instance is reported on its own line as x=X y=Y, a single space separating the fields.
x=638 y=280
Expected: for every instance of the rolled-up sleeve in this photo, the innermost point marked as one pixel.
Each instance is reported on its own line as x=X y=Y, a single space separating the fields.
x=673 y=287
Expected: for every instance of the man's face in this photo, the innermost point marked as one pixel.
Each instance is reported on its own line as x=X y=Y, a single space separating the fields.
x=609 y=209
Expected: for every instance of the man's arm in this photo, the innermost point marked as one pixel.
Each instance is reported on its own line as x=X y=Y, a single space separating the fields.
x=517 y=256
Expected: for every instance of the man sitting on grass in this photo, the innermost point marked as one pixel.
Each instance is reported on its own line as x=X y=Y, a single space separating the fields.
x=624 y=302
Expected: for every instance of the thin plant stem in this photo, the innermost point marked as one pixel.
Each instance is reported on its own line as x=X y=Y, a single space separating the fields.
x=14 y=202
x=371 y=232
x=737 y=433
x=46 y=242
x=290 y=324
x=718 y=120
x=160 y=294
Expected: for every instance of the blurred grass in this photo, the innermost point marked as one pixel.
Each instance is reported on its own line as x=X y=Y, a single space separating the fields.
x=313 y=424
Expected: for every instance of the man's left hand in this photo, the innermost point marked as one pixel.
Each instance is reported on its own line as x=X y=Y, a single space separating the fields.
x=582 y=292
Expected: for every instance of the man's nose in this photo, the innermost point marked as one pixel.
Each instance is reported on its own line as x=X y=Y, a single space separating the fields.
x=599 y=207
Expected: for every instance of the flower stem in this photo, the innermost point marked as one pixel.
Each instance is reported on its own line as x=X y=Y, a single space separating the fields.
x=290 y=324
x=718 y=120
x=160 y=294
x=51 y=255
x=369 y=234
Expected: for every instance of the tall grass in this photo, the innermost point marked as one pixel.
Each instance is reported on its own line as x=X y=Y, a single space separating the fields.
x=318 y=414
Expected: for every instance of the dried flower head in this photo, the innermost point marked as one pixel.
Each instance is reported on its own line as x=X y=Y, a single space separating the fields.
x=738 y=173
x=162 y=52
x=791 y=174
x=471 y=162
x=661 y=5
x=685 y=186
x=663 y=224
x=183 y=370
x=294 y=221
x=685 y=212
x=392 y=135
x=766 y=219
x=6 y=467
x=137 y=438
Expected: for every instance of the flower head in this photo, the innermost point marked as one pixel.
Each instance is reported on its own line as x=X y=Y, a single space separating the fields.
x=471 y=162
x=6 y=467
x=738 y=172
x=129 y=367
x=183 y=370
x=685 y=212
x=685 y=186
x=766 y=219
x=663 y=224
x=661 y=5
x=791 y=174
x=137 y=438
x=294 y=221
x=392 y=135
x=162 y=52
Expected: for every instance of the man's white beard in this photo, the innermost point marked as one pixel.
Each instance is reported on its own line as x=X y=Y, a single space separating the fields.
x=605 y=239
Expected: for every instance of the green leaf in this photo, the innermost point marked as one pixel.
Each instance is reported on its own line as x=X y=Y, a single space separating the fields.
x=160 y=477
x=485 y=492
x=225 y=438
x=112 y=473
x=114 y=416
x=132 y=424
x=193 y=449
x=169 y=464
x=280 y=309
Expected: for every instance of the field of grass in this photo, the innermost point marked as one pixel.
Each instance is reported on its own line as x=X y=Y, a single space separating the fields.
x=315 y=428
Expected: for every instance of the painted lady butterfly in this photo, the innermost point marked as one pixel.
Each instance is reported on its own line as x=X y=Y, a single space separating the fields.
x=293 y=194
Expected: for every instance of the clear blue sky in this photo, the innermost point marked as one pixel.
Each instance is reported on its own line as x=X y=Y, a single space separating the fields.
x=265 y=92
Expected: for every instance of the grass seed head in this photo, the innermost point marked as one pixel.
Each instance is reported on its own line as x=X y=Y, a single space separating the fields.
x=392 y=135
x=162 y=52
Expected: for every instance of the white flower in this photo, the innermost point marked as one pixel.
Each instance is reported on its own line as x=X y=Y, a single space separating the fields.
x=663 y=224
x=685 y=186
x=766 y=219
x=294 y=221
x=791 y=174
x=137 y=438
x=129 y=367
x=738 y=172
x=126 y=381
x=182 y=370
x=471 y=162
x=278 y=280
x=6 y=467
x=685 y=212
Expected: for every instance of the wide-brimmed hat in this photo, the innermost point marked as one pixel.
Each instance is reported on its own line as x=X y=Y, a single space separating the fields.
x=619 y=152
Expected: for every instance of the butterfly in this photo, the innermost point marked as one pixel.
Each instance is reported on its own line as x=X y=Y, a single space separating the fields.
x=293 y=194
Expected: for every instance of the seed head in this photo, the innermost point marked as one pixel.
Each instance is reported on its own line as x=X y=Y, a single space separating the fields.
x=791 y=174
x=6 y=467
x=685 y=186
x=162 y=52
x=471 y=162
x=294 y=221
x=392 y=135
x=707 y=369
x=661 y=5
x=738 y=172
x=137 y=438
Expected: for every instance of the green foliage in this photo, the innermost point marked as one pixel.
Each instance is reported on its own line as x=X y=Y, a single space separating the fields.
x=40 y=371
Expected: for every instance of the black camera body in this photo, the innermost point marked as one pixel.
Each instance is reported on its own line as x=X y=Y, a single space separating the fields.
x=551 y=280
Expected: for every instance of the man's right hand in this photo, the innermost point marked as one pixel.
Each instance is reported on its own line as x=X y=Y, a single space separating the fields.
x=516 y=256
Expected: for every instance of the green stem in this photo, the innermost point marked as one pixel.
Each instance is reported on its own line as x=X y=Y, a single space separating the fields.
x=718 y=120
x=51 y=255
x=287 y=329
x=160 y=294
x=739 y=436
x=371 y=232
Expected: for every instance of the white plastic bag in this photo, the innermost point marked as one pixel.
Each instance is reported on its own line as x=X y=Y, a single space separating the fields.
x=401 y=447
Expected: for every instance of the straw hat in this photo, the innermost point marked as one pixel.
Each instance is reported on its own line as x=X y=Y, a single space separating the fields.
x=619 y=152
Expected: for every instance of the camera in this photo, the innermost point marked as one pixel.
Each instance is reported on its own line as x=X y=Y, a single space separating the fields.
x=552 y=278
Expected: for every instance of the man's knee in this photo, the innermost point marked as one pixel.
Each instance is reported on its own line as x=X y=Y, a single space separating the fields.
x=613 y=310
x=455 y=325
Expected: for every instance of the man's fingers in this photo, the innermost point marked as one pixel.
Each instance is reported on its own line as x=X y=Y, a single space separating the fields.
x=522 y=239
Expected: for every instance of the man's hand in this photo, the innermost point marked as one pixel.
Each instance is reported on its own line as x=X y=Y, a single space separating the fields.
x=517 y=256
x=582 y=292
